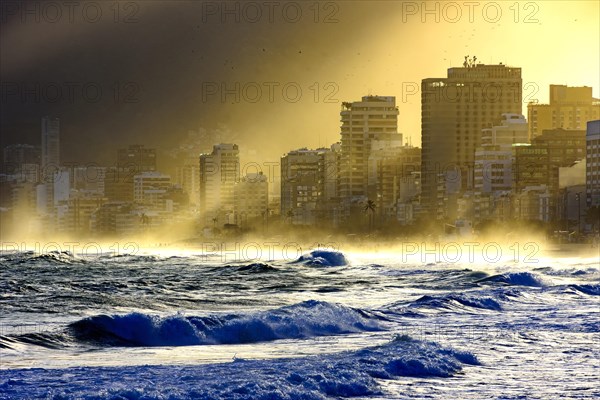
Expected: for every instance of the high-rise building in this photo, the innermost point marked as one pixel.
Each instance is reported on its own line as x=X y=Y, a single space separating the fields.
x=308 y=184
x=251 y=198
x=16 y=155
x=150 y=189
x=137 y=158
x=50 y=142
x=50 y=161
x=592 y=173
x=454 y=110
x=219 y=172
x=373 y=119
x=74 y=213
x=569 y=108
x=494 y=158
x=391 y=178
x=118 y=184
x=538 y=165
x=188 y=177
x=116 y=218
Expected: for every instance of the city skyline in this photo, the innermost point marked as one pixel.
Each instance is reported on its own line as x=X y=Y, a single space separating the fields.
x=312 y=199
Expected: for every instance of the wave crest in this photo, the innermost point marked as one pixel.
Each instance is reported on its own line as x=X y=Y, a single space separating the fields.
x=324 y=258
x=302 y=320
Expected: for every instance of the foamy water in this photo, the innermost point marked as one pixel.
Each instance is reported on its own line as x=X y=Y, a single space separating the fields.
x=327 y=325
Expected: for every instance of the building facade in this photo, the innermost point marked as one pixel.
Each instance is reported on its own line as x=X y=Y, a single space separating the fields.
x=569 y=108
x=454 y=110
x=374 y=118
x=219 y=172
x=592 y=173
x=251 y=198
x=137 y=158
x=308 y=185
x=494 y=158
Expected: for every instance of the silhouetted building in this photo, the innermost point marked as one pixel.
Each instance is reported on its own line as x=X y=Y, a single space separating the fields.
x=251 y=198
x=50 y=152
x=592 y=183
x=454 y=110
x=537 y=165
x=391 y=178
x=219 y=172
x=569 y=108
x=137 y=158
x=150 y=189
x=50 y=142
x=117 y=218
x=188 y=176
x=15 y=155
x=118 y=185
x=308 y=185
x=74 y=213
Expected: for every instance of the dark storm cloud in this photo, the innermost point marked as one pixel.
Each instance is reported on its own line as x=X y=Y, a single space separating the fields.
x=147 y=72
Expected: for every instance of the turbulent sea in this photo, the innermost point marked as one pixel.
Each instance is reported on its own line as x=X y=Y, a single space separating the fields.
x=325 y=326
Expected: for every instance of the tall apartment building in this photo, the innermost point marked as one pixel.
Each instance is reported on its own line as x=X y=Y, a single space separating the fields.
x=391 y=177
x=219 y=172
x=454 y=110
x=592 y=173
x=50 y=142
x=137 y=158
x=251 y=198
x=50 y=153
x=308 y=184
x=74 y=213
x=494 y=158
x=16 y=155
x=538 y=165
x=150 y=189
x=374 y=118
x=569 y=108
x=188 y=177
x=116 y=218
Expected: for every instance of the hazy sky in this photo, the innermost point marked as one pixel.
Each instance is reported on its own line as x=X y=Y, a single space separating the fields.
x=174 y=59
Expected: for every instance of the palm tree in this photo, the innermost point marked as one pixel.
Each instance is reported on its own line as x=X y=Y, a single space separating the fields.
x=215 y=220
x=370 y=208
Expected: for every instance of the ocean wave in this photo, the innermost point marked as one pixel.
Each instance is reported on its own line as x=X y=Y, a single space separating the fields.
x=449 y=301
x=345 y=374
x=56 y=340
x=567 y=271
x=590 y=289
x=323 y=258
x=517 y=279
x=32 y=258
x=472 y=301
x=257 y=268
x=252 y=268
x=302 y=320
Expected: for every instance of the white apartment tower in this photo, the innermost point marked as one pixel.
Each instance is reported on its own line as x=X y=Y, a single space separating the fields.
x=494 y=158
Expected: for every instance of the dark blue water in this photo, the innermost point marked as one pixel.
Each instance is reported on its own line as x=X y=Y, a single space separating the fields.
x=330 y=325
